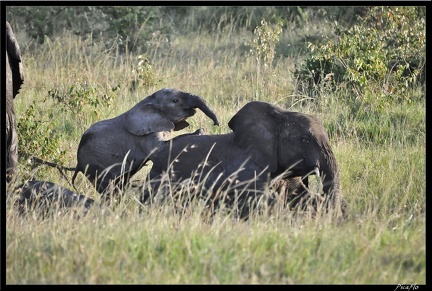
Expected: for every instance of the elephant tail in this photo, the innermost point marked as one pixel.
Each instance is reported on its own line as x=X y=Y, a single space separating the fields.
x=60 y=168
x=74 y=176
x=36 y=160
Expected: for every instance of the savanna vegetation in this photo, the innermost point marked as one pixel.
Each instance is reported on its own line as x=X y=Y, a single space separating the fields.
x=359 y=69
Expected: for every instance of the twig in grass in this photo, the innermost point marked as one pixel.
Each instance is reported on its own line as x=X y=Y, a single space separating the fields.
x=60 y=168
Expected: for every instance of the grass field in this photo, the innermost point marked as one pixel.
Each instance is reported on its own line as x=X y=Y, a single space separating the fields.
x=380 y=153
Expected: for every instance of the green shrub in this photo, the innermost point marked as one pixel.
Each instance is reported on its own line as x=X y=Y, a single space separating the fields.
x=128 y=26
x=82 y=99
x=41 y=131
x=264 y=43
x=384 y=54
x=143 y=73
x=131 y=27
x=38 y=136
x=263 y=46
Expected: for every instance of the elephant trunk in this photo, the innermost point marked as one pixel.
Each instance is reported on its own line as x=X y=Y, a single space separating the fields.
x=330 y=175
x=198 y=102
x=331 y=182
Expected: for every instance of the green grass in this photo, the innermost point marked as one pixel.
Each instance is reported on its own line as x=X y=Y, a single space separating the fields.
x=380 y=153
x=159 y=247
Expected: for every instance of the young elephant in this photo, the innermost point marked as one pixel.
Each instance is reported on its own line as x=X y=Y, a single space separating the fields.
x=113 y=150
x=47 y=196
x=267 y=141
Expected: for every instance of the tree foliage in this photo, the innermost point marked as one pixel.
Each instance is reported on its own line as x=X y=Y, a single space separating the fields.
x=128 y=26
x=384 y=54
x=132 y=26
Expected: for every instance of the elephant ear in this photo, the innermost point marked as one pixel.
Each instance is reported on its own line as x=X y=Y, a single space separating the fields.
x=180 y=125
x=255 y=131
x=143 y=120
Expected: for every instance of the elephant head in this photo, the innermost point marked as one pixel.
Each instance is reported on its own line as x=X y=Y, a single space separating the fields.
x=119 y=147
x=165 y=110
x=14 y=80
x=286 y=142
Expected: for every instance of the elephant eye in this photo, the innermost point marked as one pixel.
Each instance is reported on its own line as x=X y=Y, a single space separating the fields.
x=175 y=100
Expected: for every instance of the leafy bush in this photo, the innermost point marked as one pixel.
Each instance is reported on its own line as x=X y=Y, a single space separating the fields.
x=41 y=133
x=80 y=99
x=143 y=73
x=128 y=26
x=384 y=53
x=263 y=49
x=132 y=26
x=264 y=43
x=38 y=136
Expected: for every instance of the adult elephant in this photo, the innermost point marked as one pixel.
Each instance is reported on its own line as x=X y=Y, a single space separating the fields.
x=113 y=150
x=267 y=142
x=14 y=80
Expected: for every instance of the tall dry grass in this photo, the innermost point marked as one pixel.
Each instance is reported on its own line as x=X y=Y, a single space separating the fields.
x=381 y=242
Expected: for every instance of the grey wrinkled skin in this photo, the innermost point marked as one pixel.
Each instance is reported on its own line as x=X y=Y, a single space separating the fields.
x=14 y=80
x=46 y=196
x=267 y=142
x=113 y=150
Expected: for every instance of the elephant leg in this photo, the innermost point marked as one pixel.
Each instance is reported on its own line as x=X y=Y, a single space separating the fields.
x=294 y=191
x=300 y=198
x=144 y=196
x=305 y=181
x=11 y=146
x=157 y=186
x=338 y=204
x=107 y=184
x=148 y=192
x=248 y=197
